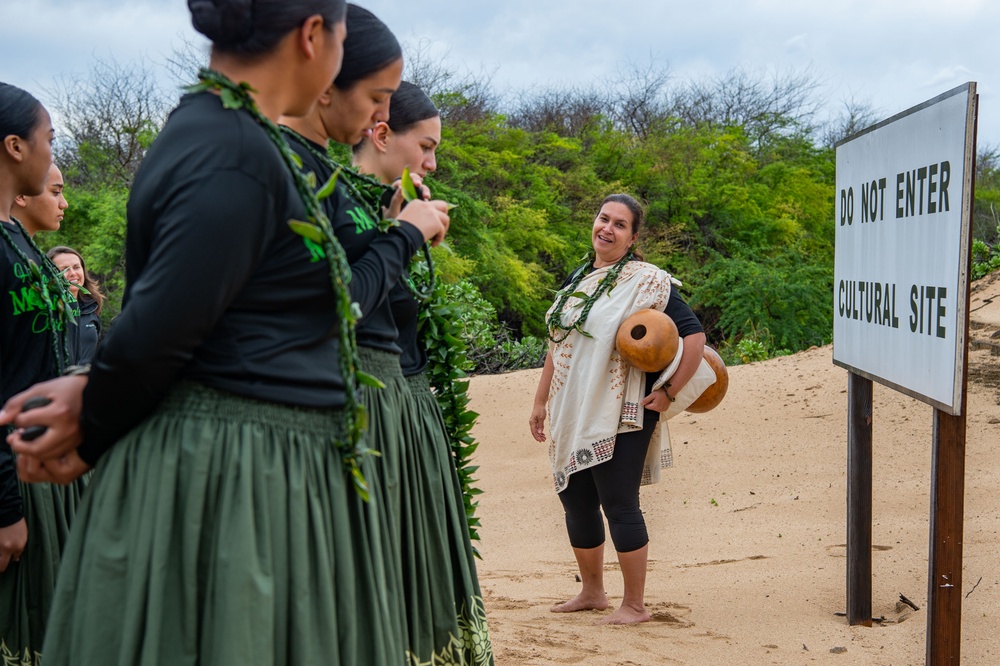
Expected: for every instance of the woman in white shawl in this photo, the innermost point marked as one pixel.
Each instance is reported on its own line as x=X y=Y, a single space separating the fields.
x=602 y=412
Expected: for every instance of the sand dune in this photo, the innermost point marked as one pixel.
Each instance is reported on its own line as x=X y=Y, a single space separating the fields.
x=748 y=530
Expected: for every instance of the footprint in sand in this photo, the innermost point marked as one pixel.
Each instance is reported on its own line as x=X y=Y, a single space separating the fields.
x=672 y=614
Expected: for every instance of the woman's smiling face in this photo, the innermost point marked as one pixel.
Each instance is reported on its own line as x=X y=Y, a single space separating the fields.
x=612 y=235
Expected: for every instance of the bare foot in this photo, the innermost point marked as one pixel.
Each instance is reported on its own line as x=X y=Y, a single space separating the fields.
x=626 y=615
x=582 y=602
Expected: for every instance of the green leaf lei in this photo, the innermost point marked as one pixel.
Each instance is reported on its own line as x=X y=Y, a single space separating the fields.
x=368 y=192
x=439 y=327
x=52 y=288
x=607 y=283
x=447 y=364
x=318 y=228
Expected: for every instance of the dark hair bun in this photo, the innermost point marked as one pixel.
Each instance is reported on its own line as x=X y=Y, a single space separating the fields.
x=225 y=22
x=370 y=47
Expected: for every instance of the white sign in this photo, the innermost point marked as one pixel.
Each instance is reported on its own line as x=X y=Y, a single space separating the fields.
x=900 y=272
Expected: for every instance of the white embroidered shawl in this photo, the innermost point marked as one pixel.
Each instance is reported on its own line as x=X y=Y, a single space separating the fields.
x=587 y=406
x=594 y=394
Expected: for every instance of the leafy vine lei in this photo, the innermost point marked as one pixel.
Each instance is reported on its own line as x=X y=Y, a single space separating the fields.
x=440 y=329
x=369 y=192
x=607 y=283
x=318 y=229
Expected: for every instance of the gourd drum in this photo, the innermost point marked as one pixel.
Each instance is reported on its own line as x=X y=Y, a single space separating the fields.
x=714 y=394
x=648 y=340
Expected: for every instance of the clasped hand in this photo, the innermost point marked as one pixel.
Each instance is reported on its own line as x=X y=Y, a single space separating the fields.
x=53 y=456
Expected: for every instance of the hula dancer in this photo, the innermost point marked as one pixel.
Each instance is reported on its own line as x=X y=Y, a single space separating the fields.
x=602 y=412
x=225 y=523
x=358 y=99
x=442 y=588
x=34 y=519
x=378 y=254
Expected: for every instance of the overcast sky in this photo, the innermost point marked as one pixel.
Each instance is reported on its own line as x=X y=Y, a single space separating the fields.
x=891 y=53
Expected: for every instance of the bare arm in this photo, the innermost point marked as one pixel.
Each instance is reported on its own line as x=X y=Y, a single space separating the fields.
x=537 y=420
x=694 y=348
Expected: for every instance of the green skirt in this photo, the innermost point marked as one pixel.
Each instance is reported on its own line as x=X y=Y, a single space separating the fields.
x=441 y=604
x=223 y=530
x=26 y=587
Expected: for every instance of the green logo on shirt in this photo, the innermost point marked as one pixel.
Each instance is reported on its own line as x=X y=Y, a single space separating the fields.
x=26 y=301
x=316 y=251
x=362 y=220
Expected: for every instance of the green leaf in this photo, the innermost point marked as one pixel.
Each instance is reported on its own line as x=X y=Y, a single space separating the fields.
x=230 y=100
x=369 y=380
x=579 y=294
x=409 y=189
x=311 y=180
x=202 y=86
x=307 y=230
x=360 y=485
x=329 y=186
x=296 y=159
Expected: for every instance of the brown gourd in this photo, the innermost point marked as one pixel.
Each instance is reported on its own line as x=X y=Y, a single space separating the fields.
x=648 y=340
x=713 y=395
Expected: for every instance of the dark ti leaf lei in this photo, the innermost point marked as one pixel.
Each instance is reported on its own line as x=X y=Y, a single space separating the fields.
x=319 y=230
x=52 y=288
x=607 y=283
x=368 y=192
x=447 y=364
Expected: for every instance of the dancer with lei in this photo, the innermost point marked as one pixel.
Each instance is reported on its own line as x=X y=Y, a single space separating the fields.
x=34 y=317
x=357 y=101
x=602 y=412
x=440 y=567
x=226 y=522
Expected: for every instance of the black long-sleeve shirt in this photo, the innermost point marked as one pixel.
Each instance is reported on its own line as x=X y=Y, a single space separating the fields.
x=219 y=288
x=84 y=335
x=26 y=352
x=377 y=260
x=405 y=312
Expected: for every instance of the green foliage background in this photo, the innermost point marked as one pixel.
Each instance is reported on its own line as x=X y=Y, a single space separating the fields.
x=738 y=181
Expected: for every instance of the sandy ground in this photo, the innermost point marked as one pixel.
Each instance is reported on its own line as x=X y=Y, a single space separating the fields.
x=748 y=530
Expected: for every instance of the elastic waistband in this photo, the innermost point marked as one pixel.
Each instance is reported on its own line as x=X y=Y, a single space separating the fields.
x=382 y=364
x=418 y=382
x=193 y=399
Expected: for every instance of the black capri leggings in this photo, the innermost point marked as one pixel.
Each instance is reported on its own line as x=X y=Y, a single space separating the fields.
x=614 y=486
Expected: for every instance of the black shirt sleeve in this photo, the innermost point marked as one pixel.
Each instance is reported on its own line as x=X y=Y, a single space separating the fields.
x=380 y=267
x=204 y=249
x=686 y=320
x=11 y=508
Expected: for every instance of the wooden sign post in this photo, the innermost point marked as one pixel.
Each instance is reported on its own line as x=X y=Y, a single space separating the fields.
x=901 y=318
x=859 y=500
